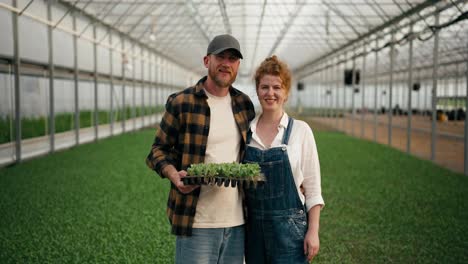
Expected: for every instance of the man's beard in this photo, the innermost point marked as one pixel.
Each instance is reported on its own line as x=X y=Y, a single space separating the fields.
x=219 y=81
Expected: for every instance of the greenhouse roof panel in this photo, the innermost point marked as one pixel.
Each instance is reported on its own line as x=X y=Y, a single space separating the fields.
x=298 y=31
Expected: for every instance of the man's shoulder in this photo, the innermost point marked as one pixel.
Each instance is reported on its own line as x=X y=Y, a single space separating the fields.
x=182 y=95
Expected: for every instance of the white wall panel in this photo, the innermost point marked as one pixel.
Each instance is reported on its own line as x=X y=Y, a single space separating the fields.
x=146 y=56
x=153 y=67
x=128 y=61
x=116 y=55
x=85 y=47
x=104 y=96
x=64 y=101
x=7 y=91
x=34 y=96
x=32 y=34
x=6 y=29
x=138 y=96
x=85 y=55
x=103 y=52
x=86 y=95
x=146 y=98
x=62 y=41
x=137 y=69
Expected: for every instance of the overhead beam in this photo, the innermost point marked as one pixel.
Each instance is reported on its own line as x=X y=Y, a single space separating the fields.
x=222 y=8
x=91 y=17
x=286 y=27
x=373 y=31
x=193 y=15
x=259 y=28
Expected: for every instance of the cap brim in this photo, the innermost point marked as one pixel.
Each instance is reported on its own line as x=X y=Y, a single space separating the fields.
x=218 y=51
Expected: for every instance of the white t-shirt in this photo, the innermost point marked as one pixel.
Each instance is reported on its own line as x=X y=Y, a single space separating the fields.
x=219 y=207
x=303 y=156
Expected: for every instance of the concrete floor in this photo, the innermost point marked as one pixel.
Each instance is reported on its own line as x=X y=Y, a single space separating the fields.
x=449 y=147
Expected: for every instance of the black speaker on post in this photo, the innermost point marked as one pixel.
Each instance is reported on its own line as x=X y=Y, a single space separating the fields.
x=416 y=87
x=348 y=77
x=300 y=86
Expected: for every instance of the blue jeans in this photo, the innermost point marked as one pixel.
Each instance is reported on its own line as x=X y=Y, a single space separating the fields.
x=211 y=245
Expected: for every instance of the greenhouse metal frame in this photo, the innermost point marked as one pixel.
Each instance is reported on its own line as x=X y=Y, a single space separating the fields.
x=116 y=62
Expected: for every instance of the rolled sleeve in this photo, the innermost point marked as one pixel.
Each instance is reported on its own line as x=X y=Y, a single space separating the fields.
x=163 y=150
x=311 y=171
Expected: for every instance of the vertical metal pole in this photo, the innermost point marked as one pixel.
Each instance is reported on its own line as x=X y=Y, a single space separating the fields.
x=111 y=75
x=75 y=80
x=163 y=73
x=425 y=99
x=344 y=96
x=156 y=83
x=17 y=70
x=316 y=101
x=156 y=71
x=353 y=86
x=124 y=84
x=466 y=121
x=392 y=62
x=330 y=90
x=134 y=88
x=418 y=98
x=457 y=92
x=435 y=71
x=327 y=91
x=96 y=110
x=363 y=91
x=317 y=92
x=150 y=65
x=96 y=85
x=337 y=84
x=410 y=90
x=323 y=87
x=376 y=78
x=324 y=90
x=51 y=79
x=143 y=112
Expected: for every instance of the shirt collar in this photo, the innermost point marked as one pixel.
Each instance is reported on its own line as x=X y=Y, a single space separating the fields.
x=283 y=122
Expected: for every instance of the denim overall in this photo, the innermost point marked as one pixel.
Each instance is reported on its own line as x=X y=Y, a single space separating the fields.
x=277 y=219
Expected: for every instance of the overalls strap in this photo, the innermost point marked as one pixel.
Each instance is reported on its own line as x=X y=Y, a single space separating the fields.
x=287 y=133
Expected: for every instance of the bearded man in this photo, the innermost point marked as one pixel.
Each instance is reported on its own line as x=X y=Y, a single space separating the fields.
x=205 y=123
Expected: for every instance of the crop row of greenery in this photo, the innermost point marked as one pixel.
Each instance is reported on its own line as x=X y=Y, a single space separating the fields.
x=230 y=170
x=36 y=127
x=98 y=204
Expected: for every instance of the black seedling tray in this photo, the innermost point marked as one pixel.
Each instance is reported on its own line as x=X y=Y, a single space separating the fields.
x=221 y=181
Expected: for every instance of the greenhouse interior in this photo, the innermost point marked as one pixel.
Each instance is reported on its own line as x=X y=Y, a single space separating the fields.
x=383 y=84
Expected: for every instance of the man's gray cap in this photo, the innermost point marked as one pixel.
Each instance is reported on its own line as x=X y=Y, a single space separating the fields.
x=224 y=42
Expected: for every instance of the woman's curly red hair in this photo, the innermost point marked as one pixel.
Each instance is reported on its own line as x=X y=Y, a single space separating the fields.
x=273 y=66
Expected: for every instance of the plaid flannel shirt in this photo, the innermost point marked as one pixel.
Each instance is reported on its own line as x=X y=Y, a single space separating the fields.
x=181 y=141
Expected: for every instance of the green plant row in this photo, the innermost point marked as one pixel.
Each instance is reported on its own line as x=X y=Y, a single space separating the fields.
x=76 y=206
x=229 y=170
x=36 y=127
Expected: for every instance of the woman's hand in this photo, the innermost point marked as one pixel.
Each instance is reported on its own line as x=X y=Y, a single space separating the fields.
x=311 y=244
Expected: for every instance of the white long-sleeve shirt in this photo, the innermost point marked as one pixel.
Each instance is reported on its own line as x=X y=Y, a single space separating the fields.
x=303 y=157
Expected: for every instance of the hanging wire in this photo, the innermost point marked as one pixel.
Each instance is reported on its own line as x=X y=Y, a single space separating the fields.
x=455 y=4
x=430 y=28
